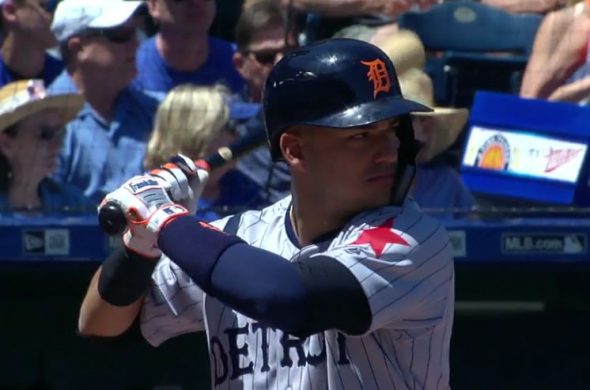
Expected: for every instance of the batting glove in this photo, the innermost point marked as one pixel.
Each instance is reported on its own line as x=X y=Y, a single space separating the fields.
x=145 y=202
x=184 y=180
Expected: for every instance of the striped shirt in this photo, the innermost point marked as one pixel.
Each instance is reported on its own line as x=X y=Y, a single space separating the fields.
x=401 y=258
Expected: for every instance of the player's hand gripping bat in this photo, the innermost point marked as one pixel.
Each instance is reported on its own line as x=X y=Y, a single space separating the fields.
x=113 y=220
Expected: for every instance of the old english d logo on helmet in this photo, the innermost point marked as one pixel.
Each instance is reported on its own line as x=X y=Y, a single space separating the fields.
x=378 y=75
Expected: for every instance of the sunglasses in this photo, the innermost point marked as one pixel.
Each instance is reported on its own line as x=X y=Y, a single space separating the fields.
x=113 y=35
x=266 y=57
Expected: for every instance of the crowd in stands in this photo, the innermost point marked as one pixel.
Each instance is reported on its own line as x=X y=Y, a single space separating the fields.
x=90 y=96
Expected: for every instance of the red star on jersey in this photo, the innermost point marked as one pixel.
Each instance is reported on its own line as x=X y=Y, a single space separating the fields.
x=379 y=236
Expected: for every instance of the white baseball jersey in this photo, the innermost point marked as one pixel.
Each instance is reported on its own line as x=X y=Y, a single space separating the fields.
x=403 y=261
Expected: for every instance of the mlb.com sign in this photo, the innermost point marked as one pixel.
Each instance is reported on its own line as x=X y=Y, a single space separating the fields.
x=567 y=243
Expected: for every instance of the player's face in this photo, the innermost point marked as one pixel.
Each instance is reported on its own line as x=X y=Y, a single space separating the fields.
x=352 y=169
x=186 y=15
x=33 y=148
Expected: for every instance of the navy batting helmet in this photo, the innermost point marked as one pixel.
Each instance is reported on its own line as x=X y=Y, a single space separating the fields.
x=337 y=83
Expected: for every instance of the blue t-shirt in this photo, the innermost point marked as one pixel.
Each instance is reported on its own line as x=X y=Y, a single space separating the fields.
x=155 y=75
x=99 y=156
x=52 y=68
x=441 y=189
x=56 y=198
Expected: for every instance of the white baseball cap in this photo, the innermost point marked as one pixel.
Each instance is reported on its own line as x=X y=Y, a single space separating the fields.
x=74 y=16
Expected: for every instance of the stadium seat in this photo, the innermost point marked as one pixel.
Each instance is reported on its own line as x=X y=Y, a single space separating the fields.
x=472 y=46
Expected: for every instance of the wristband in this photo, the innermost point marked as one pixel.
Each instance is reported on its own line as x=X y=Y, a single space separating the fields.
x=125 y=277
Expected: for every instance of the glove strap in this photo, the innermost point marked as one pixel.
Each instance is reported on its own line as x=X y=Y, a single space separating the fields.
x=164 y=215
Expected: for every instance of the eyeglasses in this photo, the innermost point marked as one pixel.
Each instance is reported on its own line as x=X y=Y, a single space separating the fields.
x=114 y=35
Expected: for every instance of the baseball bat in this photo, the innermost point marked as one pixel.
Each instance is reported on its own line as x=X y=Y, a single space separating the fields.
x=113 y=220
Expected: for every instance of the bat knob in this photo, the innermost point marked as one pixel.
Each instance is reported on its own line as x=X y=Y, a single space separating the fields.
x=112 y=219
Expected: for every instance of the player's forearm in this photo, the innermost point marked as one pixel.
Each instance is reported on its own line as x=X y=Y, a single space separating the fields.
x=99 y=318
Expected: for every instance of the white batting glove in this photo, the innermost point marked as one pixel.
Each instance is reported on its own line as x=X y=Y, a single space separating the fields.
x=145 y=202
x=184 y=179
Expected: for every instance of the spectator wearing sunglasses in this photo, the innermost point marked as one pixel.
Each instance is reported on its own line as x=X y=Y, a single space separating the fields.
x=31 y=135
x=183 y=51
x=24 y=25
x=262 y=39
x=105 y=144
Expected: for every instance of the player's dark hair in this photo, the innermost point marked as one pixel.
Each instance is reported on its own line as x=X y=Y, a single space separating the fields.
x=257 y=17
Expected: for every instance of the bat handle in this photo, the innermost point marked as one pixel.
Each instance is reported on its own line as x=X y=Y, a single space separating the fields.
x=112 y=219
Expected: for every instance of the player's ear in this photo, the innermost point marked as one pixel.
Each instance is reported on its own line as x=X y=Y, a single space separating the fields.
x=290 y=145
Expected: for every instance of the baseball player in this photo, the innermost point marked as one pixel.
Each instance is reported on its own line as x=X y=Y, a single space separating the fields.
x=345 y=284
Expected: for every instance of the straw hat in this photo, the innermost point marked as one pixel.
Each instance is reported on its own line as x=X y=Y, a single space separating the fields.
x=404 y=48
x=20 y=99
x=416 y=85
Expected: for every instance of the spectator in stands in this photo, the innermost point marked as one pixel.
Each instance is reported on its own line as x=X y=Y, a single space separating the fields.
x=105 y=144
x=24 y=25
x=559 y=66
x=196 y=121
x=367 y=20
x=182 y=51
x=260 y=37
x=31 y=134
x=438 y=186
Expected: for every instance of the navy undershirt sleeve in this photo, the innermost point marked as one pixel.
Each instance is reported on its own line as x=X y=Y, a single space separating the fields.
x=261 y=285
x=255 y=282
x=300 y=298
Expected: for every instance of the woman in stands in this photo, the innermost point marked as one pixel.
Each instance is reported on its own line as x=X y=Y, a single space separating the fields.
x=196 y=121
x=31 y=137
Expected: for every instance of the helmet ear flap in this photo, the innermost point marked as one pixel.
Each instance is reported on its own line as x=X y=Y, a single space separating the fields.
x=406 y=161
